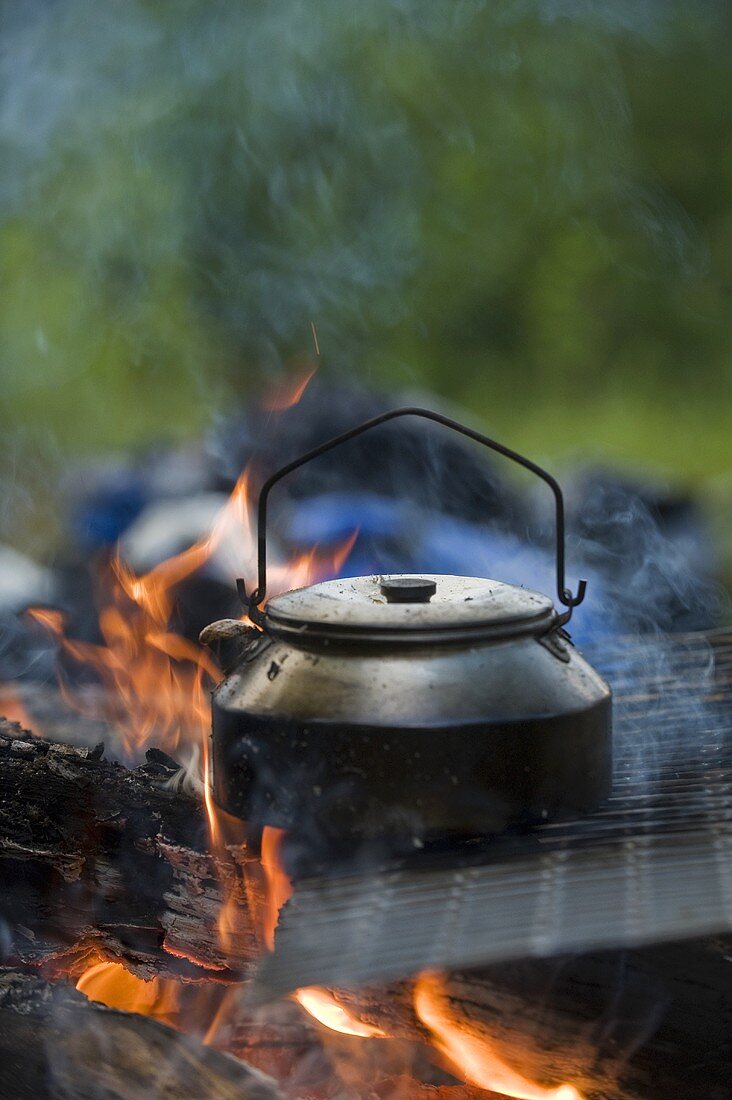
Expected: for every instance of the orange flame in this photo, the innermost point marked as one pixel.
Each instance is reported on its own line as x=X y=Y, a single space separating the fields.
x=287 y=393
x=319 y=1003
x=49 y=617
x=221 y=1016
x=472 y=1057
x=156 y=682
x=324 y=1008
x=115 y=986
x=212 y=812
x=156 y=687
x=278 y=885
x=14 y=709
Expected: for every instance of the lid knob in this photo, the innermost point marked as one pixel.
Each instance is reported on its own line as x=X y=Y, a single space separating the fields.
x=408 y=589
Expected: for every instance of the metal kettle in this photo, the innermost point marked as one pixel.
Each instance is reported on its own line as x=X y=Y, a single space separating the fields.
x=423 y=706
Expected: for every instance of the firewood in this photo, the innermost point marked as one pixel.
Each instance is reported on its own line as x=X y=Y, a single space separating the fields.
x=99 y=859
x=102 y=859
x=55 y=1044
x=648 y=1024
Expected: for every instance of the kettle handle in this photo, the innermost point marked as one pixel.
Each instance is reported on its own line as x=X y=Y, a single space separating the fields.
x=254 y=600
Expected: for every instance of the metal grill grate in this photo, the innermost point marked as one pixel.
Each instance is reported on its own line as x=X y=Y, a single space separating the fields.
x=654 y=864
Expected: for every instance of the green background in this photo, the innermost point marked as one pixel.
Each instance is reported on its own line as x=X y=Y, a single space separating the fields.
x=523 y=207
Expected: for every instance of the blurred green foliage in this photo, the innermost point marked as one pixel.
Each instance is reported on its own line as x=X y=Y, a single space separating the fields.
x=524 y=206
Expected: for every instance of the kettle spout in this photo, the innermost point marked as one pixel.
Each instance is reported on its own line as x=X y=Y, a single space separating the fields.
x=228 y=640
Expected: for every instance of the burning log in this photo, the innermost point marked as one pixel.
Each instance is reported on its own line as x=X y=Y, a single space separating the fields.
x=651 y=1024
x=101 y=860
x=56 y=1043
x=116 y=862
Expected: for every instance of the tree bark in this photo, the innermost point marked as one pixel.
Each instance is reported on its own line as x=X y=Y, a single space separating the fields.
x=55 y=1044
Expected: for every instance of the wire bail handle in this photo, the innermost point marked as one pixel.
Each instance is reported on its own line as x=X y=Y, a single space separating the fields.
x=255 y=599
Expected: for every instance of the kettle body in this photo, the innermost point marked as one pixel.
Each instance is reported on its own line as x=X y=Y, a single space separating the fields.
x=410 y=706
x=356 y=711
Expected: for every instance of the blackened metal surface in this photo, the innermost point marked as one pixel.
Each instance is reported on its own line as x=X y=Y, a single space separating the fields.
x=409 y=740
x=654 y=864
x=407 y=589
x=343 y=781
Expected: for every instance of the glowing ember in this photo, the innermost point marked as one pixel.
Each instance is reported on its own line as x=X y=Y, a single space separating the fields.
x=114 y=985
x=471 y=1057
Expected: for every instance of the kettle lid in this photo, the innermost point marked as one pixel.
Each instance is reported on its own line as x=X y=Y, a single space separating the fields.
x=406 y=607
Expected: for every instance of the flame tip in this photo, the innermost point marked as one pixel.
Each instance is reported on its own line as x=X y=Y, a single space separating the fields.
x=470 y=1055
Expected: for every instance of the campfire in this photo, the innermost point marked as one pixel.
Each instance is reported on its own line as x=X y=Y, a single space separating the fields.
x=237 y=960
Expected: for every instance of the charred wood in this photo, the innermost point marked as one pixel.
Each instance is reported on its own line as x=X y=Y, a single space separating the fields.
x=100 y=859
x=648 y=1024
x=96 y=858
x=56 y=1044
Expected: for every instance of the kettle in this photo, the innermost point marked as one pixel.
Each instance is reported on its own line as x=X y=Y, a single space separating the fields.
x=421 y=706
